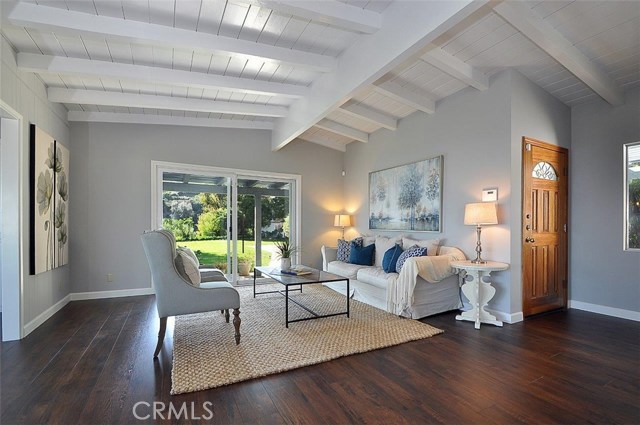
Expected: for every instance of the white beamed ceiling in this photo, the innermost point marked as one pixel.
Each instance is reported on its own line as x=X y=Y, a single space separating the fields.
x=600 y=57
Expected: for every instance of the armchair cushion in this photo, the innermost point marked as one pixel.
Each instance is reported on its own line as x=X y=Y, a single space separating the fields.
x=187 y=268
x=190 y=253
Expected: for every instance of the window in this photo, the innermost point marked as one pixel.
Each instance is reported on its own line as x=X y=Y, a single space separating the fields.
x=632 y=196
x=545 y=171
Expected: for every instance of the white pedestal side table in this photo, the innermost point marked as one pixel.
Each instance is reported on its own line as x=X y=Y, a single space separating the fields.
x=478 y=290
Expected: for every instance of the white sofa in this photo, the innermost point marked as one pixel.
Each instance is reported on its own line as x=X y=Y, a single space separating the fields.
x=370 y=284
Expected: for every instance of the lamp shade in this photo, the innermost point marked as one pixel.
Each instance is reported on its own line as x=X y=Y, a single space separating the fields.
x=480 y=213
x=342 y=220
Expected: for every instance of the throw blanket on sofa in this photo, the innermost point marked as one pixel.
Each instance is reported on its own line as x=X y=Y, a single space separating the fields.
x=432 y=269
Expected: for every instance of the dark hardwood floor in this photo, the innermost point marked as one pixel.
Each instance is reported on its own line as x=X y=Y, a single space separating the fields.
x=92 y=362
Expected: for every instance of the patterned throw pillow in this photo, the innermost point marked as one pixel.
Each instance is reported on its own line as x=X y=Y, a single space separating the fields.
x=414 y=251
x=187 y=268
x=344 y=249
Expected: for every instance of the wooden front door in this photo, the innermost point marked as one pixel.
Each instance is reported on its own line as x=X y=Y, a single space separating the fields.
x=544 y=226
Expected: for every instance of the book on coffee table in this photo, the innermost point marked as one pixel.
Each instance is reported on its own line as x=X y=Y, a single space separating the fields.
x=296 y=272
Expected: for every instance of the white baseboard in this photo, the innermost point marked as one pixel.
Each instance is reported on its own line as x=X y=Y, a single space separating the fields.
x=80 y=296
x=44 y=316
x=507 y=317
x=603 y=309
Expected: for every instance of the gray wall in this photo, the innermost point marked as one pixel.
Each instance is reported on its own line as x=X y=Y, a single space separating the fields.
x=111 y=190
x=471 y=130
x=25 y=93
x=601 y=272
x=537 y=114
x=479 y=134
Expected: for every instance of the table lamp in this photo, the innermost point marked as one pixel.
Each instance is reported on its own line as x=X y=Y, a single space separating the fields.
x=342 y=220
x=479 y=214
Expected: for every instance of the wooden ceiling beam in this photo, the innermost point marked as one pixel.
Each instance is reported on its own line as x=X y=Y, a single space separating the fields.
x=44 y=64
x=368 y=114
x=456 y=68
x=124 y=118
x=343 y=130
x=134 y=100
x=61 y=21
x=415 y=98
x=331 y=12
x=556 y=45
x=403 y=33
x=332 y=144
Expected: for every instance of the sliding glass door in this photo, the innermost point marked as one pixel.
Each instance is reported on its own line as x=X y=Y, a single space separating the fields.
x=229 y=218
x=265 y=216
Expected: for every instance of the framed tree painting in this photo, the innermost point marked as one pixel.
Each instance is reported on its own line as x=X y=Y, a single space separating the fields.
x=49 y=196
x=408 y=197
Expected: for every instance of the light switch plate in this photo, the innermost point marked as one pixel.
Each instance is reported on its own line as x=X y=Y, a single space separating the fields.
x=490 y=195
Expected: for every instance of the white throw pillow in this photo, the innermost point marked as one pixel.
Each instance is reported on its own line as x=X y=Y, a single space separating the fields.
x=190 y=253
x=383 y=244
x=431 y=245
x=187 y=268
x=368 y=240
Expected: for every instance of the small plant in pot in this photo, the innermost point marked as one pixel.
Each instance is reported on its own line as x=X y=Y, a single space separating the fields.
x=284 y=250
x=244 y=265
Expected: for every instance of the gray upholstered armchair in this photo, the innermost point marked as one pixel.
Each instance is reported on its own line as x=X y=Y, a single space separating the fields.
x=175 y=295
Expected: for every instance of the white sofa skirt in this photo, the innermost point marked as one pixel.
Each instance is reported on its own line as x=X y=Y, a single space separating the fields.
x=428 y=298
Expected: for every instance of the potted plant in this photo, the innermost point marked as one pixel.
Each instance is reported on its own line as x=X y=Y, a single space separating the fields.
x=244 y=264
x=284 y=250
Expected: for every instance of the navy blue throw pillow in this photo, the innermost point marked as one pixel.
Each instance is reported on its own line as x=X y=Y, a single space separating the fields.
x=360 y=255
x=391 y=258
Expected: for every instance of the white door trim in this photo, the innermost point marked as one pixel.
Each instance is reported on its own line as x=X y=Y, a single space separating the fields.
x=13 y=235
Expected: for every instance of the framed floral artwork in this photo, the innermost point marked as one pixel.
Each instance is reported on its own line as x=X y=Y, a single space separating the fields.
x=408 y=197
x=49 y=197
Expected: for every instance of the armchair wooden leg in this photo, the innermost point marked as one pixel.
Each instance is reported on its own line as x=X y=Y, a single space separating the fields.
x=161 y=332
x=226 y=315
x=236 y=323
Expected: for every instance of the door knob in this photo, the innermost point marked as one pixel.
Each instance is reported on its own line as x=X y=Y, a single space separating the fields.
x=529 y=240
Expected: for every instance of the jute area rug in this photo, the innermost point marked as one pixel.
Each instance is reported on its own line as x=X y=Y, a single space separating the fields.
x=205 y=354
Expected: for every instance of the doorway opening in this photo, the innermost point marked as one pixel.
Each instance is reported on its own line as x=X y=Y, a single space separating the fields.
x=230 y=218
x=11 y=190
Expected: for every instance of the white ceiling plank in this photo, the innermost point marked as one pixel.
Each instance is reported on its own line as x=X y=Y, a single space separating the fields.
x=370 y=115
x=343 y=130
x=456 y=68
x=559 y=48
x=83 y=67
x=331 y=12
x=117 y=117
x=95 y=97
x=405 y=31
x=413 y=98
x=136 y=10
x=332 y=144
x=65 y=21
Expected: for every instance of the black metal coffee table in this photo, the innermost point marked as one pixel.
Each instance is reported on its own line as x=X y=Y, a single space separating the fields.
x=297 y=282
